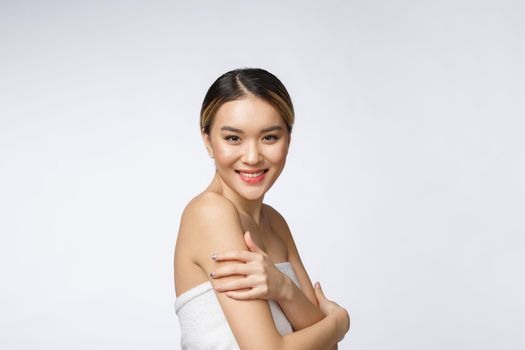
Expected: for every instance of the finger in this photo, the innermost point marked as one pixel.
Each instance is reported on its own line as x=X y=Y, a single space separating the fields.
x=318 y=291
x=248 y=295
x=250 y=243
x=242 y=283
x=240 y=255
x=236 y=269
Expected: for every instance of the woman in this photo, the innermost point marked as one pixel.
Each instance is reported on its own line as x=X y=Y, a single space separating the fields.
x=240 y=282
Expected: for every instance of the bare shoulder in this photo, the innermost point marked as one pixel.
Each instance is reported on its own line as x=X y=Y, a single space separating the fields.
x=212 y=224
x=208 y=203
x=199 y=227
x=206 y=216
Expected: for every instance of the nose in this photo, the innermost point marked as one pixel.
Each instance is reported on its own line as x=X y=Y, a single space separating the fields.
x=251 y=154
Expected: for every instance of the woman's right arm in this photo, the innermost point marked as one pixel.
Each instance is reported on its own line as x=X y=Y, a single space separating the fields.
x=212 y=224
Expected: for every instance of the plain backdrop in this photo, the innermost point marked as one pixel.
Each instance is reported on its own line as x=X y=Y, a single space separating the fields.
x=404 y=186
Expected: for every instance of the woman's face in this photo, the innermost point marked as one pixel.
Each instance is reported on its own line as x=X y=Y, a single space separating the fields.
x=249 y=141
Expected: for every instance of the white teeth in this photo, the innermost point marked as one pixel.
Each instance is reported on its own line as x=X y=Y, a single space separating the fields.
x=252 y=175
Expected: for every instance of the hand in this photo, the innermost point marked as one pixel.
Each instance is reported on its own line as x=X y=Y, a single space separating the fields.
x=261 y=276
x=326 y=306
x=329 y=307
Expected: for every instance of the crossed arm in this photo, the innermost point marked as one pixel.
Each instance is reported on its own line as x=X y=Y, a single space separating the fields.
x=216 y=226
x=300 y=311
x=301 y=308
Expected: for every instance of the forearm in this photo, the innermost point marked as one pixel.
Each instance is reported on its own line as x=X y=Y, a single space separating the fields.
x=323 y=335
x=299 y=310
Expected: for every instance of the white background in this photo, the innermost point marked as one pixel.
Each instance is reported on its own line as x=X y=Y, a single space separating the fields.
x=404 y=186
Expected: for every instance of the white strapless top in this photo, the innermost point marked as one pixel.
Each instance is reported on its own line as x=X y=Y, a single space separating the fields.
x=203 y=324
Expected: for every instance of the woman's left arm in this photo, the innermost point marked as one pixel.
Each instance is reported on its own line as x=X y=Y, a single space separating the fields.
x=299 y=304
x=299 y=309
x=264 y=281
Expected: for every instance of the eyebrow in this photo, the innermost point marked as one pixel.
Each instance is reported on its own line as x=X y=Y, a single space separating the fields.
x=271 y=128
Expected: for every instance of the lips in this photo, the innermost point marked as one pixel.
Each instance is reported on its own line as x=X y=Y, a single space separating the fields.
x=252 y=176
x=251 y=172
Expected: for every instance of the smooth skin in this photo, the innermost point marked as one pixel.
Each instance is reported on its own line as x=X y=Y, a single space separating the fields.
x=216 y=220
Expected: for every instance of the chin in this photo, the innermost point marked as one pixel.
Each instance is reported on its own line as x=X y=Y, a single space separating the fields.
x=252 y=195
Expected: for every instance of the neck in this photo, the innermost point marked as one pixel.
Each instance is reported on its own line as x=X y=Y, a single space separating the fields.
x=252 y=208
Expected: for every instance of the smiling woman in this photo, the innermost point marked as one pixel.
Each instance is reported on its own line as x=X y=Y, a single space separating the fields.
x=239 y=279
x=249 y=142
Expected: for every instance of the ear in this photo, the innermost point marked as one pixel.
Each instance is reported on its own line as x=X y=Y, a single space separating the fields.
x=207 y=143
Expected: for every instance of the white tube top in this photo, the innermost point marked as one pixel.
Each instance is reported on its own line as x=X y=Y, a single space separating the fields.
x=203 y=324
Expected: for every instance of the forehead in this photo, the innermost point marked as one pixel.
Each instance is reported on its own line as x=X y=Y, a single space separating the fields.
x=248 y=113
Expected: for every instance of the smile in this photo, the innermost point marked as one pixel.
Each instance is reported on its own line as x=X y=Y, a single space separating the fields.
x=252 y=177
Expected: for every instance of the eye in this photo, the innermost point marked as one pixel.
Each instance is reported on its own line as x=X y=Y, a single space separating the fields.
x=233 y=138
x=271 y=138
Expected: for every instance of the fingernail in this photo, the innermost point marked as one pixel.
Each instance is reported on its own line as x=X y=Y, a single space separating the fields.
x=214 y=256
x=317 y=285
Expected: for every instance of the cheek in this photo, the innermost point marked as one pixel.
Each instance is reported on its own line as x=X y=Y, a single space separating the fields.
x=224 y=154
x=277 y=154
